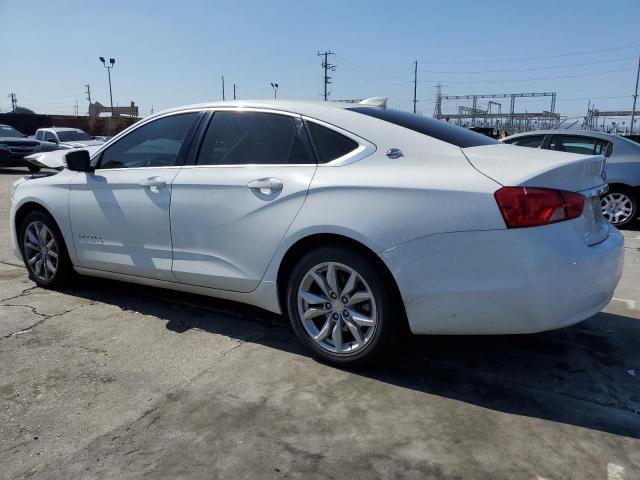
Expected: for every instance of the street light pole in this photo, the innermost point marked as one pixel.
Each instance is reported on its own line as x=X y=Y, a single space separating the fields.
x=275 y=90
x=635 y=97
x=112 y=62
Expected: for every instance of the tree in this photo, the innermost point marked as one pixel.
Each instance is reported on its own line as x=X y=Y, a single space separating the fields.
x=23 y=110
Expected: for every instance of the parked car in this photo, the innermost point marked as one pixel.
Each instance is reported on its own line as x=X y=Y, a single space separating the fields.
x=353 y=219
x=102 y=138
x=15 y=146
x=66 y=138
x=620 y=203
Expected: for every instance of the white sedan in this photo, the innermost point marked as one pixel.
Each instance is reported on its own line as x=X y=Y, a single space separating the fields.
x=355 y=220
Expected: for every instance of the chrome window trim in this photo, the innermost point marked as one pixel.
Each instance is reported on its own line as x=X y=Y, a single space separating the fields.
x=364 y=149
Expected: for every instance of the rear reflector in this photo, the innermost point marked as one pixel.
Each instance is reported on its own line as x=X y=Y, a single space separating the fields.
x=531 y=207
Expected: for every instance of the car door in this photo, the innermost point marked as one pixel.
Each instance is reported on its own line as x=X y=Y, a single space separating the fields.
x=120 y=212
x=231 y=209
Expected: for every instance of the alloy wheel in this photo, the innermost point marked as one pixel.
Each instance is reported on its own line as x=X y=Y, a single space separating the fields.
x=41 y=250
x=617 y=207
x=337 y=308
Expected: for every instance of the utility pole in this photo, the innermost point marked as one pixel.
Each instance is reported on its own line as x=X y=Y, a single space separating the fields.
x=223 y=88
x=415 y=86
x=14 y=101
x=151 y=110
x=327 y=67
x=75 y=107
x=234 y=91
x=635 y=97
x=88 y=94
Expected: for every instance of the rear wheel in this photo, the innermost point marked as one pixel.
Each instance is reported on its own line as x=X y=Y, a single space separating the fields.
x=43 y=250
x=342 y=307
x=620 y=206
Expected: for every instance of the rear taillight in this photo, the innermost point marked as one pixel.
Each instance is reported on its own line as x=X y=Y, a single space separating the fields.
x=531 y=207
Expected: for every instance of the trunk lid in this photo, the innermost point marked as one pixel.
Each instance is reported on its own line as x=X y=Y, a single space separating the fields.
x=514 y=166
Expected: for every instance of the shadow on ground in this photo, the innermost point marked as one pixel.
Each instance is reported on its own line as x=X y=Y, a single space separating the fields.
x=578 y=375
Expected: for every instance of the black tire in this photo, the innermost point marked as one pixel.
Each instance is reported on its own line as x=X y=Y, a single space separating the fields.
x=388 y=307
x=632 y=220
x=64 y=269
x=34 y=168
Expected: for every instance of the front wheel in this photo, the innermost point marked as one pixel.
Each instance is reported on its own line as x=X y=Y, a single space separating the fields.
x=43 y=250
x=342 y=307
x=619 y=206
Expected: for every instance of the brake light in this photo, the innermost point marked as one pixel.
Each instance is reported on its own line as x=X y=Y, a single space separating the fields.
x=531 y=207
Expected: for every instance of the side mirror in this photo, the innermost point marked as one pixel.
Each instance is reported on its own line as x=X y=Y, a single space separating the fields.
x=79 y=161
x=52 y=140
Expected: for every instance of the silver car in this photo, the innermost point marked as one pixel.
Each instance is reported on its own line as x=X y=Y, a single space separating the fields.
x=620 y=203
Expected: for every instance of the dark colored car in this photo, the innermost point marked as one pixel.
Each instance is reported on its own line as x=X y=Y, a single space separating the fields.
x=14 y=146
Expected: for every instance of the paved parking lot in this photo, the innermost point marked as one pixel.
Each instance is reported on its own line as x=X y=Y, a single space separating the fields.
x=111 y=380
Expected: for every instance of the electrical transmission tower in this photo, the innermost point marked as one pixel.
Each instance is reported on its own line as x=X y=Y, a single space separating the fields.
x=328 y=67
x=14 y=101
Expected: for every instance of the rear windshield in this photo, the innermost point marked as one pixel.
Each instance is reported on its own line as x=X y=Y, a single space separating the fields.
x=73 y=135
x=460 y=137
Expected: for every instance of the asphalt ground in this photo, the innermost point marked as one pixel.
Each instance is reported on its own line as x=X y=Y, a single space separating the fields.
x=113 y=380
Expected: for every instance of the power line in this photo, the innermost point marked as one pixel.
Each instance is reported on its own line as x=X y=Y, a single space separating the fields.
x=534 y=79
x=542 y=57
x=533 y=68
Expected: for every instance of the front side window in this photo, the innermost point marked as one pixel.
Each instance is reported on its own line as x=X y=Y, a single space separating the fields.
x=155 y=144
x=328 y=143
x=534 y=141
x=39 y=135
x=578 y=144
x=49 y=136
x=245 y=138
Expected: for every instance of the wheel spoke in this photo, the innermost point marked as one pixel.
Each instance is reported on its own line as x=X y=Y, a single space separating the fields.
x=332 y=279
x=32 y=236
x=350 y=285
x=52 y=254
x=321 y=282
x=359 y=297
x=42 y=234
x=361 y=319
x=336 y=336
x=324 y=331
x=315 y=312
x=355 y=331
x=312 y=298
x=50 y=267
x=35 y=258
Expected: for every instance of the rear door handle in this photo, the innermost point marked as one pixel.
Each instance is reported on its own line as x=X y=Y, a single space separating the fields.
x=266 y=186
x=154 y=183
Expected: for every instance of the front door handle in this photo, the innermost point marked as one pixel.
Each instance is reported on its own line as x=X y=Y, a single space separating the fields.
x=266 y=186
x=154 y=183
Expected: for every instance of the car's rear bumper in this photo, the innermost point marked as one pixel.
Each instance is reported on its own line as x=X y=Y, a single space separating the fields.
x=505 y=281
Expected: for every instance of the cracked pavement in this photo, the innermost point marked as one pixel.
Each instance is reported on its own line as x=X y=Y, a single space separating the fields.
x=112 y=380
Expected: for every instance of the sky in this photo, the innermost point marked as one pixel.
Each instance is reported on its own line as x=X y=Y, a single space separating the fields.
x=171 y=53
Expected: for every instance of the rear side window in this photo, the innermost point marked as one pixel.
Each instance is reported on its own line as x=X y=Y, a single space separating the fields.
x=534 y=141
x=244 y=138
x=458 y=136
x=579 y=144
x=328 y=143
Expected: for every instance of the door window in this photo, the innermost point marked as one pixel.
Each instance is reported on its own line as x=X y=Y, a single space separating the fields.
x=579 y=144
x=328 y=143
x=245 y=138
x=39 y=135
x=49 y=136
x=155 y=144
x=534 y=141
